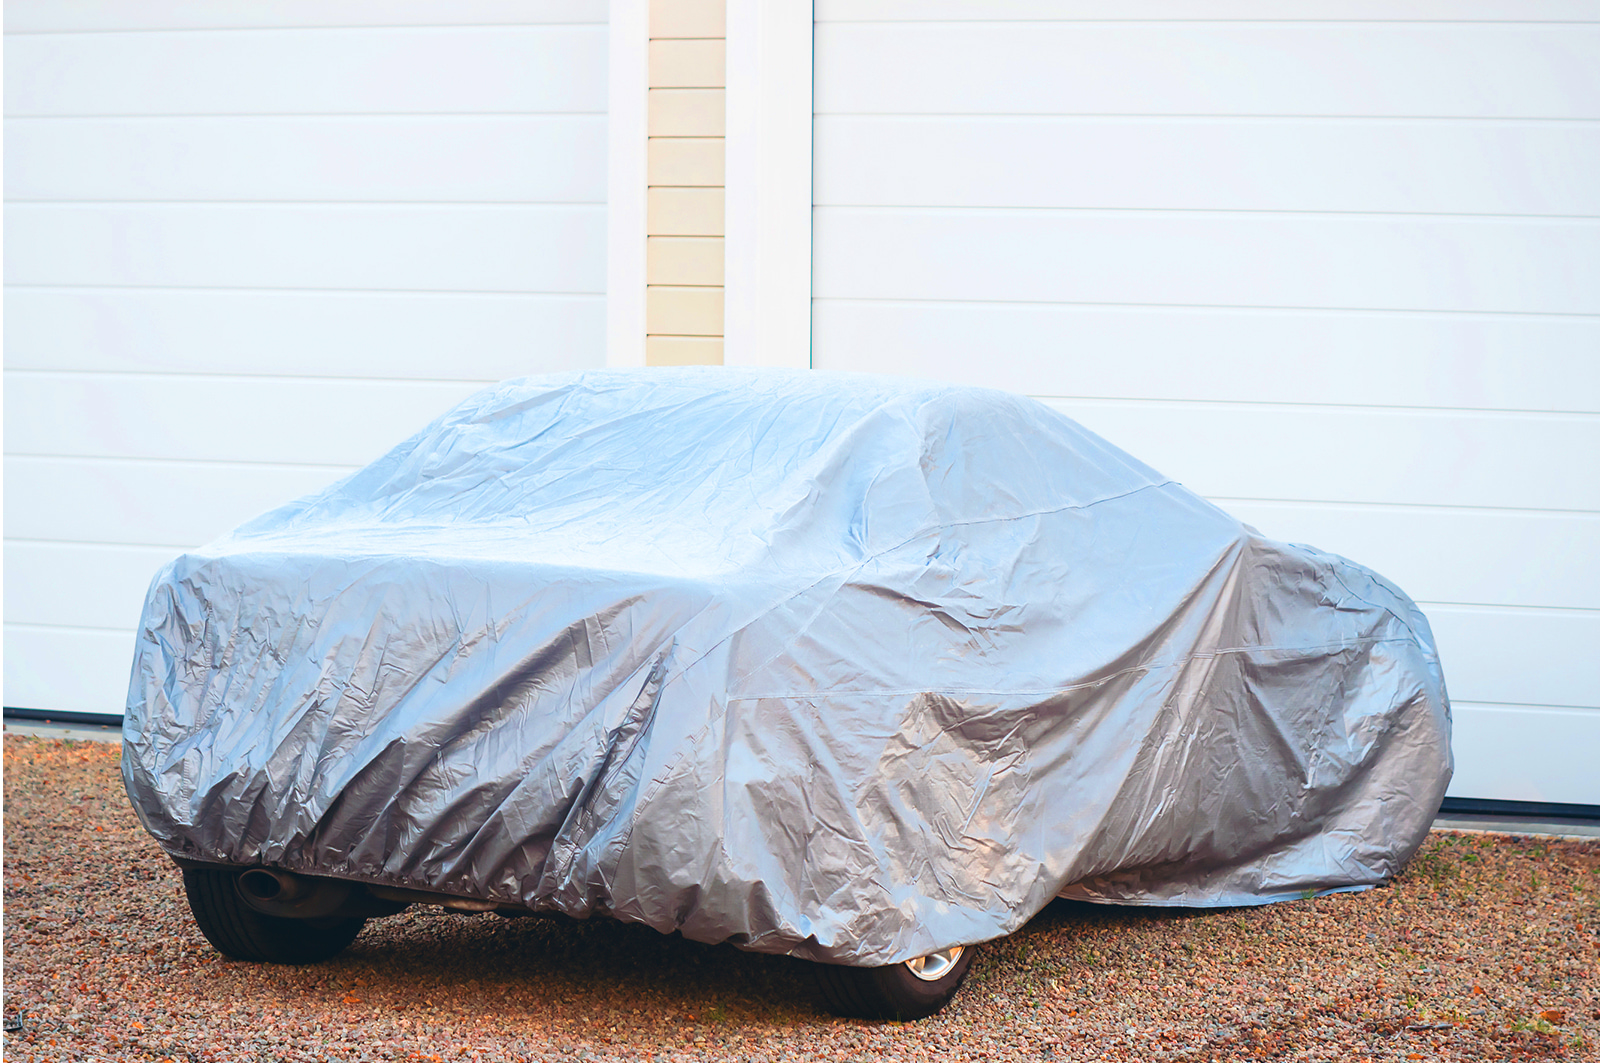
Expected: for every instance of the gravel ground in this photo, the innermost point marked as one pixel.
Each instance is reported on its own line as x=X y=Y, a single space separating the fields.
x=1487 y=947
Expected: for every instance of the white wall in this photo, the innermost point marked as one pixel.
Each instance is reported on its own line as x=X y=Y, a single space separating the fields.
x=1340 y=273
x=248 y=247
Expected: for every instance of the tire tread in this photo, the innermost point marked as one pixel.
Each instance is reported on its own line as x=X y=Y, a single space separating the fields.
x=886 y=992
x=237 y=930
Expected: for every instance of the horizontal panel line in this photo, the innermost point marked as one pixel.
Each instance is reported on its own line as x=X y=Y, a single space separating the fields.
x=369 y=202
x=1567 y=611
x=1210 y=21
x=442 y=292
x=590 y=205
x=209 y=463
x=96 y=116
x=88 y=544
x=311 y=27
x=1489 y=412
x=1408 y=507
x=903 y=301
x=1219 y=118
x=137 y=374
x=895 y=208
x=1224 y=501
x=318 y=116
x=28 y=626
x=176 y=548
x=1210 y=115
x=1463 y=703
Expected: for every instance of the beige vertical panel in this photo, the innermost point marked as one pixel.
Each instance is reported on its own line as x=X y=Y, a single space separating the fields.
x=686 y=113
x=687 y=64
x=683 y=260
x=685 y=173
x=683 y=350
x=673 y=311
x=686 y=161
x=688 y=18
x=685 y=211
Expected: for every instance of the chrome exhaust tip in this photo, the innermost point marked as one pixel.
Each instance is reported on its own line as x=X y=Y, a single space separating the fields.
x=271 y=887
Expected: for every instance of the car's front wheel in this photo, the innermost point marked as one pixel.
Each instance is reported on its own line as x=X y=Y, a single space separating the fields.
x=238 y=930
x=914 y=989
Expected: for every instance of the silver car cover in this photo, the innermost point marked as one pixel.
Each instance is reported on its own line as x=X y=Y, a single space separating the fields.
x=845 y=667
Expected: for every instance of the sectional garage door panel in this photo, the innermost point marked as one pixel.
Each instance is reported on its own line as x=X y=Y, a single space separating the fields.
x=1504 y=166
x=1475 y=70
x=392 y=335
x=1354 y=454
x=835 y=11
x=487 y=248
x=325 y=70
x=1461 y=556
x=251 y=247
x=48 y=584
x=73 y=669
x=1353 y=262
x=331 y=158
x=1338 y=271
x=51 y=16
x=1225 y=354
x=1516 y=753
x=234 y=419
x=1539 y=657
x=131 y=502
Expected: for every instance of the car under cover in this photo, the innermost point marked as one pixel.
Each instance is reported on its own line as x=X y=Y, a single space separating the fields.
x=846 y=667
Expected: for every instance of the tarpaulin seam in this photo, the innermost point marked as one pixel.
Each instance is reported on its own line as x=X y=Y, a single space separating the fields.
x=1152 y=666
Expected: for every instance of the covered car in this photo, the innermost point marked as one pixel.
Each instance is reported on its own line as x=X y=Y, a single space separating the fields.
x=861 y=670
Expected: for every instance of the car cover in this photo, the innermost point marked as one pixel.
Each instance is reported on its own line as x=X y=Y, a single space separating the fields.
x=846 y=667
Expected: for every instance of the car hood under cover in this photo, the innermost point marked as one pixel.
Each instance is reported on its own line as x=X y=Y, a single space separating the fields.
x=831 y=665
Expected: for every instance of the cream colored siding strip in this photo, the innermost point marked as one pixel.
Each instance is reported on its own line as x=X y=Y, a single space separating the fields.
x=683 y=350
x=683 y=311
x=684 y=174
x=686 y=161
x=686 y=113
x=688 y=18
x=687 y=64
x=683 y=260
x=685 y=211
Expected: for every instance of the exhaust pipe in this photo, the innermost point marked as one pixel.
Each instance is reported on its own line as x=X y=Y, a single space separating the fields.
x=287 y=895
x=265 y=884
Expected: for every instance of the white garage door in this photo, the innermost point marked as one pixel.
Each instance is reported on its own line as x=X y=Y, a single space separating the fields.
x=1341 y=274
x=248 y=247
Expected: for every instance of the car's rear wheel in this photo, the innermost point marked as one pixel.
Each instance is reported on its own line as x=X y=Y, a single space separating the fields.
x=238 y=930
x=901 y=991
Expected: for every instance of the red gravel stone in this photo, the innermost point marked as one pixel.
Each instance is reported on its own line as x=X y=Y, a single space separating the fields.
x=1487 y=947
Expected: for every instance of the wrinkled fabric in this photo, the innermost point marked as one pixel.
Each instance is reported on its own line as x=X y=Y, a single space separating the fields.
x=845 y=667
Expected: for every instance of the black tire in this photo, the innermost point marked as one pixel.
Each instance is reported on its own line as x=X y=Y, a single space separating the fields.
x=892 y=992
x=239 y=931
